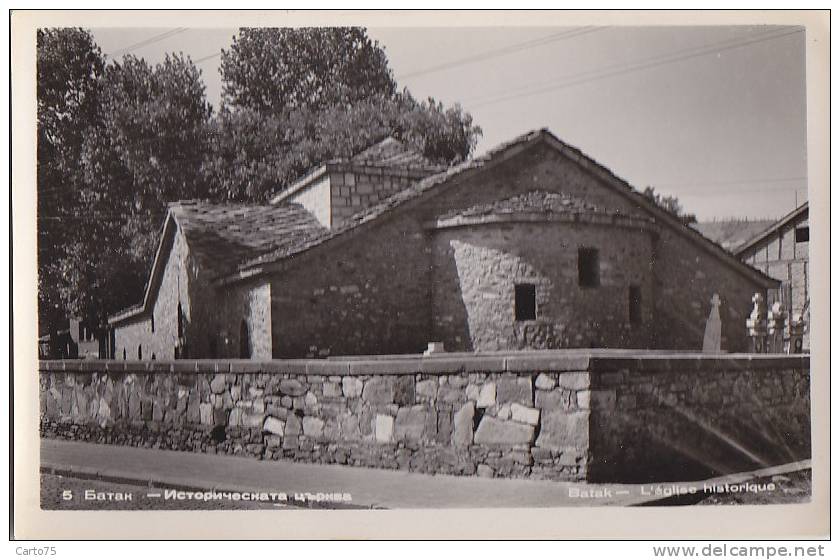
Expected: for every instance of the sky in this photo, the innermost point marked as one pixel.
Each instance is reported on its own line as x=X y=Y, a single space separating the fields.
x=715 y=116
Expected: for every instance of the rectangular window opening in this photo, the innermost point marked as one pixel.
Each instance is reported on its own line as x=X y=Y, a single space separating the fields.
x=525 y=302
x=635 y=300
x=802 y=234
x=589 y=270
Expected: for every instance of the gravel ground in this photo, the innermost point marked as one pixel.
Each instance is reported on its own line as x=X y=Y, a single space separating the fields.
x=53 y=488
x=792 y=488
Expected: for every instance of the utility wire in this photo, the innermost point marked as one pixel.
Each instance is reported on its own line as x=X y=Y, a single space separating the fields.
x=149 y=41
x=615 y=70
x=495 y=53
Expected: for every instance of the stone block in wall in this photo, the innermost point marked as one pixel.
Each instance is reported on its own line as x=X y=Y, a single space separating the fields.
x=524 y=414
x=349 y=426
x=292 y=387
x=252 y=419
x=379 y=390
x=487 y=395
x=462 y=430
x=492 y=431
x=503 y=412
x=444 y=426
x=384 y=428
x=313 y=427
x=404 y=391
x=293 y=426
x=515 y=389
x=450 y=394
x=205 y=411
x=332 y=431
x=426 y=390
x=366 y=421
x=274 y=426
x=563 y=429
x=545 y=381
x=332 y=389
x=557 y=399
x=574 y=380
x=410 y=423
x=351 y=387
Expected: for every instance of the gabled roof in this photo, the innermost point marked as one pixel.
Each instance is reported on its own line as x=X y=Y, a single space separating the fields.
x=391 y=152
x=732 y=234
x=224 y=235
x=221 y=236
x=425 y=187
x=789 y=219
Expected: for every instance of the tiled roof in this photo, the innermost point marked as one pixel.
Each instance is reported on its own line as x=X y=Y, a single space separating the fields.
x=534 y=201
x=224 y=235
x=393 y=153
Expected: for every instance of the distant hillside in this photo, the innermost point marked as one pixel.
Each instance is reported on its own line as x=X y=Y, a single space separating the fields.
x=732 y=234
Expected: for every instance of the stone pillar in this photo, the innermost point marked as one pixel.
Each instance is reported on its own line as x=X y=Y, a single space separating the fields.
x=795 y=332
x=711 y=337
x=776 y=328
x=757 y=325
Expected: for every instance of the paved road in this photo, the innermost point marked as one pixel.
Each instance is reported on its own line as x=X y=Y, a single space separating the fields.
x=368 y=487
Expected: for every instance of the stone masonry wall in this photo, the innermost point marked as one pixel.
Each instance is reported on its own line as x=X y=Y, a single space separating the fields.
x=552 y=415
x=685 y=276
x=369 y=295
x=175 y=288
x=477 y=267
x=354 y=187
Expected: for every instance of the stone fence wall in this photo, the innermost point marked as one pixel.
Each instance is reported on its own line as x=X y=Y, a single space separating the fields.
x=559 y=415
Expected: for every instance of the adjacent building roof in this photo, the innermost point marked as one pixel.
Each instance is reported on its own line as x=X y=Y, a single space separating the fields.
x=732 y=234
x=391 y=152
x=224 y=235
x=221 y=236
x=791 y=219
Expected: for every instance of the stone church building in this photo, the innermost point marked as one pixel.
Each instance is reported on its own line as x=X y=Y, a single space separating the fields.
x=531 y=246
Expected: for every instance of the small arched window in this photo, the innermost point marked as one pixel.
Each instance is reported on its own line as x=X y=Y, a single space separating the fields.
x=153 y=356
x=124 y=355
x=244 y=340
x=139 y=351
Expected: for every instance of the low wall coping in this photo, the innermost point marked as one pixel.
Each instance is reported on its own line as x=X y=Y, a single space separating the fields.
x=594 y=361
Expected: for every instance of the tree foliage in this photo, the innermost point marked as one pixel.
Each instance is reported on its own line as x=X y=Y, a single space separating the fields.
x=254 y=154
x=69 y=70
x=671 y=204
x=271 y=70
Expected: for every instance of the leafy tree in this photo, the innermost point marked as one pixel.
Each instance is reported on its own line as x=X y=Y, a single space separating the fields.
x=270 y=70
x=69 y=69
x=254 y=155
x=671 y=204
x=147 y=150
x=296 y=97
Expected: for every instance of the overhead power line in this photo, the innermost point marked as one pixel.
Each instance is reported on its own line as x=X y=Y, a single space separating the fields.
x=206 y=58
x=618 y=70
x=151 y=40
x=495 y=53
